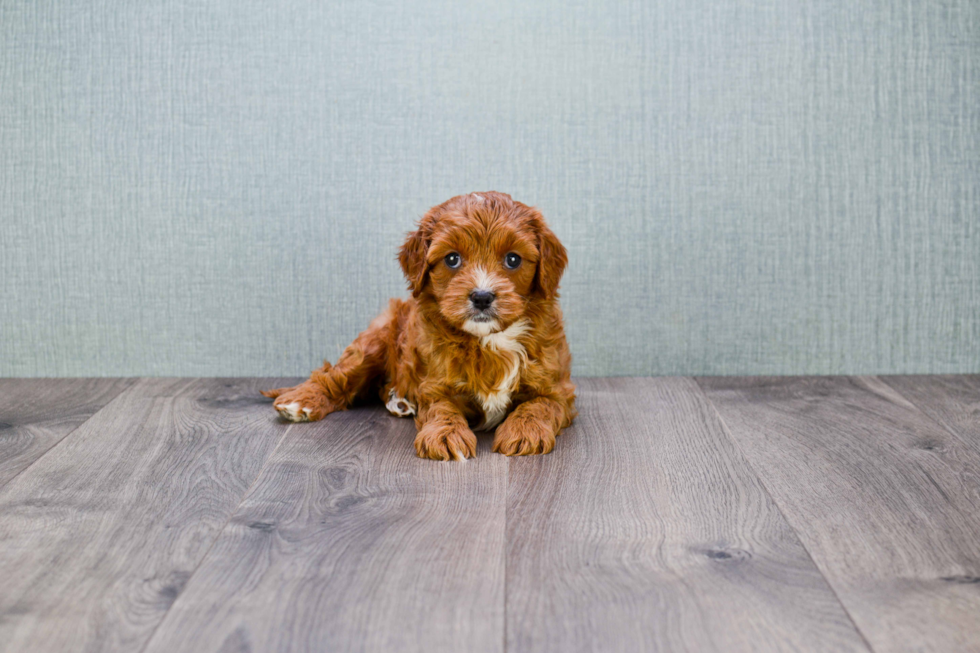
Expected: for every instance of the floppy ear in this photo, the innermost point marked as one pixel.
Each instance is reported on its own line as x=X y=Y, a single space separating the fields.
x=412 y=257
x=552 y=259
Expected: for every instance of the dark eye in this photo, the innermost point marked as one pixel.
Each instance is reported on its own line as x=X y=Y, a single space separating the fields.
x=453 y=261
x=512 y=260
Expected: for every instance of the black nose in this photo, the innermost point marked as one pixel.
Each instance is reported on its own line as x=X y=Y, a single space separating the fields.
x=482 y=299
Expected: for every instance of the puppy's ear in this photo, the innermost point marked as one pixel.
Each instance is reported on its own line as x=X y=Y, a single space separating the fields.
x=412 y=257
x=552 y=259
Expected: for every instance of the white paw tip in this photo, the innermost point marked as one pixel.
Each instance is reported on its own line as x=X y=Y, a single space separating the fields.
x=399 y=406
x=460 y=457
x=292 y=412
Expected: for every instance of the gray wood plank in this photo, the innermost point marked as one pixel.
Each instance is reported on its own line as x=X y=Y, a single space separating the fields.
x=99 y=536
x=35 y=414
x=886 y=501
x=349 y=542
x=951 y=400
x=646 y=530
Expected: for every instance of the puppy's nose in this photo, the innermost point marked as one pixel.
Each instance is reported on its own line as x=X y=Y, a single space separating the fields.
x=482 y=299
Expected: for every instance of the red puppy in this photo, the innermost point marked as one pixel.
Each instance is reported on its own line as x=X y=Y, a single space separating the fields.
x=480 y=343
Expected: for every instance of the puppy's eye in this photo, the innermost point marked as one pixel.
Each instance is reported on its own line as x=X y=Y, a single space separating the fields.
x=511 y=261
x=453 y=261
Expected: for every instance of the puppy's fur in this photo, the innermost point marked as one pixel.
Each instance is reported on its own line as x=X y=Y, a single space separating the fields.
x=447 y=357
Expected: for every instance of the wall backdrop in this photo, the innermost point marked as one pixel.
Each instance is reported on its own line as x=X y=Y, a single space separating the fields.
x=219 y=188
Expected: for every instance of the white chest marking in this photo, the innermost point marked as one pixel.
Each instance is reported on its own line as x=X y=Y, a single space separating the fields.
x=506 y=342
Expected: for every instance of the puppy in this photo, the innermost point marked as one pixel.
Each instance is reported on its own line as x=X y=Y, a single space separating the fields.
x=480 y=344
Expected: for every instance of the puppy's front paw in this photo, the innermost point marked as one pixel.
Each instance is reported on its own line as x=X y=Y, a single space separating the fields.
x=440 y=441
x=304 y=403
x=523 y=436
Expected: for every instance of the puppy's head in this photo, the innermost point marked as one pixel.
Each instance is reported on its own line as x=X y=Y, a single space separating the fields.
x=481 y=258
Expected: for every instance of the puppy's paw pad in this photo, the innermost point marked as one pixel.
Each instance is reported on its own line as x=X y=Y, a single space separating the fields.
x=399 y=406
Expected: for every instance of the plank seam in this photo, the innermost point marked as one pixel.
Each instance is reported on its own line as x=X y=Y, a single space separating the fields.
x=738 y=448
x=217 y=536
x=115 y=397
x=941 y=424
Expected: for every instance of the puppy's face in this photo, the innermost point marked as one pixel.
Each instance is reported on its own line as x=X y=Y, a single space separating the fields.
x=481 y=258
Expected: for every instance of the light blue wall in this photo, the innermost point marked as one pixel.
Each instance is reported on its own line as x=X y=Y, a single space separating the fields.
x=218 y=188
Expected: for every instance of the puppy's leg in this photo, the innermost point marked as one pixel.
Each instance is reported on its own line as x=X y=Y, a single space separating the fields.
x=443 y=433
x=334 y=387
x=532 y=427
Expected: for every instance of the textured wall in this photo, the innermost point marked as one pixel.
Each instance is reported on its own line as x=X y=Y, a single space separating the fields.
x=218 y=188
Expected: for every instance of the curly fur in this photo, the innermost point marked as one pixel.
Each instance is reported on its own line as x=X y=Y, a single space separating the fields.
x=437 y=355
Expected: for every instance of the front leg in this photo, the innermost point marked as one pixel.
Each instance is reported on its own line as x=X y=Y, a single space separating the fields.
x=309 y=401
x=443 y=432
x=531 y=428
x=334 y=387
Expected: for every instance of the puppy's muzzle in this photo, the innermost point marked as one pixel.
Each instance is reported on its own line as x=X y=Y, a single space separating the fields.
x=482 y=299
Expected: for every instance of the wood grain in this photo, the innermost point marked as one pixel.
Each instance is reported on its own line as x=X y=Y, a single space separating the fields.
x=99 y=536
x=951 y=400
x=349 y=542
x=646 y=530
x=886 y=501
x=35 y=414
x=655 y=525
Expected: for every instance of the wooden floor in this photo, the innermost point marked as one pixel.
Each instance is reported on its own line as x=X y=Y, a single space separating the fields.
x=676 y=514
